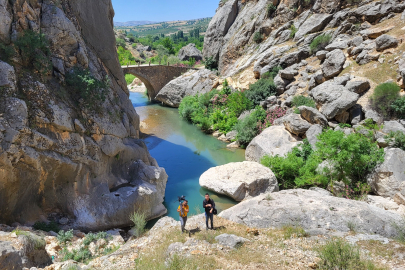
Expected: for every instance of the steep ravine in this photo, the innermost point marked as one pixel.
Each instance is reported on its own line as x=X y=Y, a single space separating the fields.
x=58 y=157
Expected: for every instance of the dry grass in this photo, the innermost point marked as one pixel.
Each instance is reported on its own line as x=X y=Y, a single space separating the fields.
x=380 y=73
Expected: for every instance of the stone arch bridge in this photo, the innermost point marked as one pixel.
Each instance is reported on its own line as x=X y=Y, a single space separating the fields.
x=155 y=77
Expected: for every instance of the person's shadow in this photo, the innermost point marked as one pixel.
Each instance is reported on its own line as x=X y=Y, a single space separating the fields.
x=219 y=228
x=196 y=230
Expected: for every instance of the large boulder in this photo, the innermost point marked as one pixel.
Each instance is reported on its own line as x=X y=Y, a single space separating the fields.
x=190 y=51
x=295 y=124
x=313 y=24
x=313 y=116
x=385 y=41
x=393 y=126
x=334 y=63
x=313 y=210
x=334 y=99
x=240 y=180
x=358 y=85
x=389 y=177
x=145 y=193
x=275 y=140
x=189 y=84
x=10 y=258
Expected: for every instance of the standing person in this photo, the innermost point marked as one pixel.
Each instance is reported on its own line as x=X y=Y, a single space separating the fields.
x=209 y=206
x=183 y=211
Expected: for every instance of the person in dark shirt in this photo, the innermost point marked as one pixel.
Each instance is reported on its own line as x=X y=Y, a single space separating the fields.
x=209 y=206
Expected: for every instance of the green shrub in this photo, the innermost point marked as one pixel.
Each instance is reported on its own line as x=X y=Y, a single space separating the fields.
x=222 y=121
x=6 y=52
x=120 y=42
x=188 y=106
x=350 y=157
x=238 y=102
x=65 y=236
x=303 y=101
x=396 y=139
x=34 y=50
x=90 y=237
x=247 y=129
x=353 y=156
x=87 y=88
x=320 y=42
x=271 y=8
x=46 y=227
x=258 y=37
x=384 y=96
x=272 y=73
x=338 y=254
x=139 y=220
x=293 y=30
x=210 y=63
x=297 y=168
x=129 y=78
x=261 y=90
x=82 y=255
x=191 y=62
x=398 y=107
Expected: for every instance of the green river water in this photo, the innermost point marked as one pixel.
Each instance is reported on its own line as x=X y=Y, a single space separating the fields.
x=184 y=151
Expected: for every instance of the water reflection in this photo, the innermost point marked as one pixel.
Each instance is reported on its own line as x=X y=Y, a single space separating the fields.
x=184 y=151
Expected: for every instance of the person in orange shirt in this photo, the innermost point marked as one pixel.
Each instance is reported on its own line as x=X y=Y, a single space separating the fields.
x=183 y=211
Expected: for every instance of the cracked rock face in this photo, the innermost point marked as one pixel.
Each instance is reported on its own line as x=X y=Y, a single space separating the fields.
x=60 y=157
x=312 y=209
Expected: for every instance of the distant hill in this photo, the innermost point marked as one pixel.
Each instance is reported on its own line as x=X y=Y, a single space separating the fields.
x=167 y=28
x=132 y=23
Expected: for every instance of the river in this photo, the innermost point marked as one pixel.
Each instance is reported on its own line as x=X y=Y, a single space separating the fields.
x=184 y=151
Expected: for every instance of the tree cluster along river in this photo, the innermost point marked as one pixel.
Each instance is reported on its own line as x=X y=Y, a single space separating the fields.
x=184 y=151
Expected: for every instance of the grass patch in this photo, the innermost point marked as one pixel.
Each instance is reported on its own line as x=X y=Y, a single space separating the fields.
x=303 y=101
x=382 y=72
x=293 y=231
x=338 y=254
x=320 y=42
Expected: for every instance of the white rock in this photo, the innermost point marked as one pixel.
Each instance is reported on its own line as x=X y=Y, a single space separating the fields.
x=275 y=140
x=239 y=180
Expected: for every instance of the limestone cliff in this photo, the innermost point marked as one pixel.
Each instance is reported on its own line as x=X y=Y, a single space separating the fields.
x=230 y=36
x=59 y=157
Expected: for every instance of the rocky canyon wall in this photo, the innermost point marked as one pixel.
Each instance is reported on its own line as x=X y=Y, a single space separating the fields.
x=58 y=157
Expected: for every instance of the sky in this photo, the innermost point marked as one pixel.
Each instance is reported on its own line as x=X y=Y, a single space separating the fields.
x=163 y=10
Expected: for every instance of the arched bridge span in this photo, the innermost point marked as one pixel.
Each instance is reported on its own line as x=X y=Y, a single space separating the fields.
x=155 y=77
